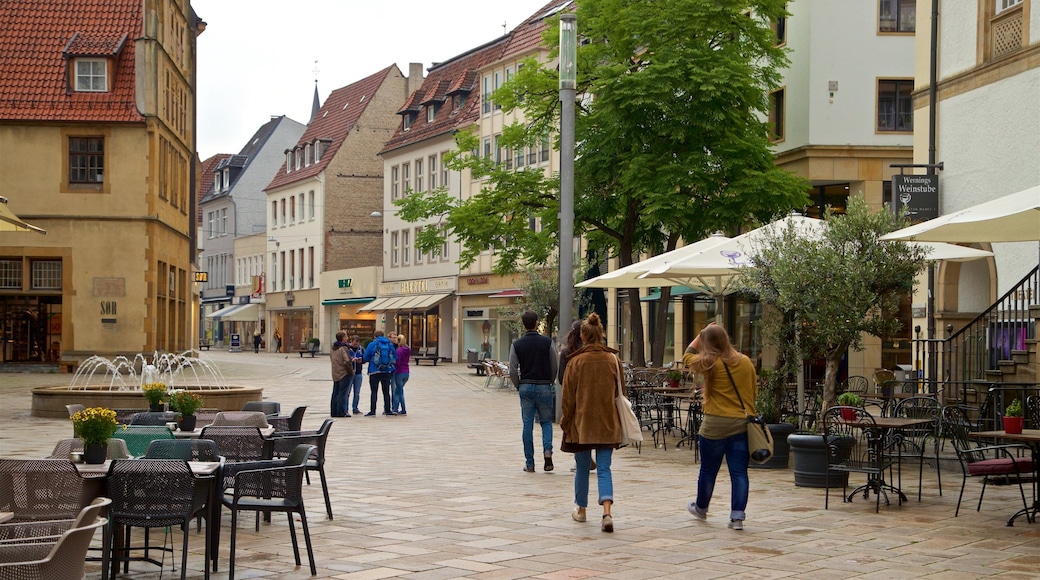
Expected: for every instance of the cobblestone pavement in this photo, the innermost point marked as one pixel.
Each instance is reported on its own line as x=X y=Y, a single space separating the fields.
x=440 y=493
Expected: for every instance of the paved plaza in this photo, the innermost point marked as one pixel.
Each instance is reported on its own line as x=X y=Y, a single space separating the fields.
x=440 y=493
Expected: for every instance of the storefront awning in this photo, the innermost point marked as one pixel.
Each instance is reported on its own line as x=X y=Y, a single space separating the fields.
x=414 y=302
x=507 y=294
x=237 y=313
x=337 y=301
x=676 y=291
x=427 y=301
x=379 y=304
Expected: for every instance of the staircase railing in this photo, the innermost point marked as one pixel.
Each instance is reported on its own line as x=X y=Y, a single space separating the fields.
x=966 y=355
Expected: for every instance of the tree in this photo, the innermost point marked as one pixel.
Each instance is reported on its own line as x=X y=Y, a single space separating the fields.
x=670 y=140
x=831 y=289
x=541 y=289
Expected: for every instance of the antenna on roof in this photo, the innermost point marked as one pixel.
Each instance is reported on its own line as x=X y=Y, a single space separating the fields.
x=316 y=71
x=503 y=28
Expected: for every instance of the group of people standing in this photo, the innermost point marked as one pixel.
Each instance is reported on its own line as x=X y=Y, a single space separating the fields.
x=388 y=371
x=591 y=376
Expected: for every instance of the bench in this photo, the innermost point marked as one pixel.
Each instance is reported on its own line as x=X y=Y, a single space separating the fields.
x=429 y=354
x=476 y=363
x=204 y=345
x=304 y=351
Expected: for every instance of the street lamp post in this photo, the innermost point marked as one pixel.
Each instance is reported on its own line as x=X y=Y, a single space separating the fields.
x=568 y=86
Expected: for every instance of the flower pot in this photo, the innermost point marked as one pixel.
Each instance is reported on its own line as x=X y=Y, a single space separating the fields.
x=95 y=453
x=848 y=414
x=810 y=459
x=673 y=383
x=781 y=449
x=155 y=407
x=1013 y=425
x=187 y=422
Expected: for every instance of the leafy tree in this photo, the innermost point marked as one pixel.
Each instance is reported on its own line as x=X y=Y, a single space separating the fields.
x=833 y=288
x=541 y=288
x=670 y=141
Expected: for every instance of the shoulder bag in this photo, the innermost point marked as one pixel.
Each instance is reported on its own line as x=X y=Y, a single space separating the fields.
x=760 y=440
x=631 y=432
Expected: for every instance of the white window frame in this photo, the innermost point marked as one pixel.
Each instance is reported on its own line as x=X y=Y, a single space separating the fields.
x=395 y=181
x=1005 y=5
x=406 y=178
x=444 y=170
x=406 y=247
x=419 y=175
x=418 y=252
x=91 y=75
x=485 y=105
x=395 y=249
x=310 y=200
x=431 y=166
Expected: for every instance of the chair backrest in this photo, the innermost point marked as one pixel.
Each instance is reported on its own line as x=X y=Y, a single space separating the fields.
x=41 y=489
x=296 y=418
x=186 y=449
x=857 y=384
x=265 y=407
x=1032 y=411
x=63 y=448
x=956 y=425
x=882 y=376
x=65 y=561
x=38 y=530
x=852 y=436
x=241 y=419
x=153 y=418
x=321 y=439
x=914 y=438
x=236 y=443
x=284 y=481
x=138 y=437
x=152 y=492
x=75 y=408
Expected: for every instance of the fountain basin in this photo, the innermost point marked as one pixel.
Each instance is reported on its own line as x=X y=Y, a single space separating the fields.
x=51 y=401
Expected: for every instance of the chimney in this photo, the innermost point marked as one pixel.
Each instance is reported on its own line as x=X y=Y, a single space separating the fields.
x=415 y=77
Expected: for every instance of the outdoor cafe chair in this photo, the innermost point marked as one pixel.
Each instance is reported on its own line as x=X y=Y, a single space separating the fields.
x=1033 y=411
x=241 y=419
x=265 y=407
x=65 y=560
x=154 y=418
x=64 y=448
x=857 y=384
x=41 y=489
x=287 y=442
x=155 y=493
x=292 y=422
x=986 y=461
x=73 y=409
x=273 y=489
x=916 y=442
x=138 y=437
x=32 y=540
x=855 y=444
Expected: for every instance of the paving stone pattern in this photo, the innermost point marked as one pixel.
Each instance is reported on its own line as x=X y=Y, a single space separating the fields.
x=441 y=493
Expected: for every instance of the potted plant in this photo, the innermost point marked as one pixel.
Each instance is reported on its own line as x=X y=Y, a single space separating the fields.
x=313 y=344
x=155 y=393
x=95 y=426
x=849 y=400
x=674 y=376
x=768 y=404
x=1013 y=418
x=186 y=403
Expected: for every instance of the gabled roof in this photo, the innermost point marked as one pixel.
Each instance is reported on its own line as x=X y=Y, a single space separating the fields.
x=246 y=155
x=206 y=180
x=36 y=39
x=334 y=121
x=528 y=34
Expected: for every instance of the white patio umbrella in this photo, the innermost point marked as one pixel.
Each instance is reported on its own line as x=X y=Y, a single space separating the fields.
x=1012 y=218
x=12 y=223
x=629 y=276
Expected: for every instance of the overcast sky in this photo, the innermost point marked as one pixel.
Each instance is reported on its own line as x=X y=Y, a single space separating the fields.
x=256 y=57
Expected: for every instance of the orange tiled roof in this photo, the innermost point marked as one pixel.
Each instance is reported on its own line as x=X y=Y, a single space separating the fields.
x=337 y=117
x=36 y=36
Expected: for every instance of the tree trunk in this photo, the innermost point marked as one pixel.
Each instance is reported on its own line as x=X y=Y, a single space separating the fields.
x=657 y=341
x=830 y=376
x=638 y=338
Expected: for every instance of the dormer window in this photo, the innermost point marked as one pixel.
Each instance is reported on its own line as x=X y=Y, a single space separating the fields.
x=288 y=161
x=407 y=120
x=307 y=155
x=92 y=75
x=299 y=158
x=227 y=178
x=317 y=151
x=431 y=112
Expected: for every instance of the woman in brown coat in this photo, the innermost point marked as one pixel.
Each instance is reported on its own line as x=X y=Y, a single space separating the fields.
x=589 y=417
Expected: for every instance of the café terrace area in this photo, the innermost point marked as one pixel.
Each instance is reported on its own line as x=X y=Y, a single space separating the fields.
x=440 y=493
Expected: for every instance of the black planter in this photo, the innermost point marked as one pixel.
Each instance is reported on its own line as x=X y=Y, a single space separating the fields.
x=781 y=449
x=810 y=457
x=155 y=407
x=187 y=422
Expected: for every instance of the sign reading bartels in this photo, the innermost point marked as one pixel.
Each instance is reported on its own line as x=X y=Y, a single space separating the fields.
x=919 y=194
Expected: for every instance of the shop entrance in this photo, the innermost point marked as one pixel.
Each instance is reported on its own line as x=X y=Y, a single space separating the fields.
x=31 y=327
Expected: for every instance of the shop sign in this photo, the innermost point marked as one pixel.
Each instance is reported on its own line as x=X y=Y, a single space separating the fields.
x=345 y=283
x=475 y=313
x=476 y=280
x=919 y=194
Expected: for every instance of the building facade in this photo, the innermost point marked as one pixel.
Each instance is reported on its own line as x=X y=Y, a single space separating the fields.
x=97 y=135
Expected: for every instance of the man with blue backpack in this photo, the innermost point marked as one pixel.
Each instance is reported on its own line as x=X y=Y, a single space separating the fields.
x=381 y=356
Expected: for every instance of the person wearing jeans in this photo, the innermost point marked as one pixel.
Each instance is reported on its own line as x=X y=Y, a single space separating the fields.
x=401 y=372
x=533 y=367
x=357 y=354
x=723 y=432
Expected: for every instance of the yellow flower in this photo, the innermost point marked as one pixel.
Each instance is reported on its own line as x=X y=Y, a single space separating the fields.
x=94 y=425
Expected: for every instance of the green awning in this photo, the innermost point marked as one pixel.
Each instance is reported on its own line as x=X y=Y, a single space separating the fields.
x=676 y=291
x=338 y=301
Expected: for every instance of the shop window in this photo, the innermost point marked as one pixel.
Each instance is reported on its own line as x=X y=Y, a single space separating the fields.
x=46 y=275
x=11 y=274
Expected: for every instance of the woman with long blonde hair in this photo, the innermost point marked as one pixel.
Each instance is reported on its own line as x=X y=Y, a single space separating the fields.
x=723 y=432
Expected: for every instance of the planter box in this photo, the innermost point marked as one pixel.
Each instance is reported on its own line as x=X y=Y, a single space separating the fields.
x=811 y=458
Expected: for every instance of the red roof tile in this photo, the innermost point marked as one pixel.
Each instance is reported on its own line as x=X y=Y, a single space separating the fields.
x=334 y=121
x=33 y=73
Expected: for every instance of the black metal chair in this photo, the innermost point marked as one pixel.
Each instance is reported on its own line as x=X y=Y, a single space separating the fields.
x=316 y=462
x=155 y=493
x=856 y=445
x=1033 y=411
x=916 y=442
x=273 y=489
x=266 y=407
x=237 y=445
x=857 y=384
x=154 y=418
x=985 y=461
x=186 y=449
x=292 y=422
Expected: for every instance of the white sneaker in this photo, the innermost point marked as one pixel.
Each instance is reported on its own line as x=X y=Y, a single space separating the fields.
x=697 y=512
x=736 y=525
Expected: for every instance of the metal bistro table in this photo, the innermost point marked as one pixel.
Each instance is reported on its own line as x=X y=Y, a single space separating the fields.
x=890 y=427
x=1030 y=437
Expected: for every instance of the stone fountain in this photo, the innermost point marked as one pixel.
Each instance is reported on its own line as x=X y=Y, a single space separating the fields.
x=116 y=384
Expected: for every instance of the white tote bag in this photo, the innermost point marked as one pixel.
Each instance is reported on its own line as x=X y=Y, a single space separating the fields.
x=631 y=432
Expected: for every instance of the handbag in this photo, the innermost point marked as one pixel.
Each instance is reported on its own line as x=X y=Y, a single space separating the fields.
x=631 y=431
x=760 y=440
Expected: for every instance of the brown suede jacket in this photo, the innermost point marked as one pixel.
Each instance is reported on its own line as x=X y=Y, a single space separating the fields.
x=589 y=416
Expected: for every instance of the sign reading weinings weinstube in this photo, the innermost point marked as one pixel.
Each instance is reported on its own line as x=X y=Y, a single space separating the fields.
x=919 y=194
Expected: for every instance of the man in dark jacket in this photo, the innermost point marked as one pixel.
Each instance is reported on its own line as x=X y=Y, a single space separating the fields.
x=532 y=368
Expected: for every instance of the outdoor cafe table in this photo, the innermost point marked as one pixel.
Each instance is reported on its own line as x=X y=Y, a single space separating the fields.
x=194 y=434
x=890 y=427
x=682 y=398
x=1030 y=437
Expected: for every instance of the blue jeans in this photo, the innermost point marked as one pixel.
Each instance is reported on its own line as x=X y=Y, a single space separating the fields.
x=540 y=399
x=397 y=399
x=340 y=391
x=356 y=386
x=375 y=382
x=735 y=450
x=604 y=481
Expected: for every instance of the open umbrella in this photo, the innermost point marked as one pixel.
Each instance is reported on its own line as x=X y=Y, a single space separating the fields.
x=629 y=276
x=1012 y=218
x=12 y=223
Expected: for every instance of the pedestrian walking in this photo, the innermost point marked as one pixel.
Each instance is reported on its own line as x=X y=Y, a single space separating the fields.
x=533 y=366
x=401 y=372
x=256 y=341
x=277 y=341
x=723 y=432
x=571 y=344
x=589 y=418
x=381 y=356
x=357 y=356
x=342 y=375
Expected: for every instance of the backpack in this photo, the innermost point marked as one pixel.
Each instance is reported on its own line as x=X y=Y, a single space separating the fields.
x=384 y=358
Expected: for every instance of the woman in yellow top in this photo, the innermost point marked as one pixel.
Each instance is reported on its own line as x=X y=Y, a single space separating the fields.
x=723 y=431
